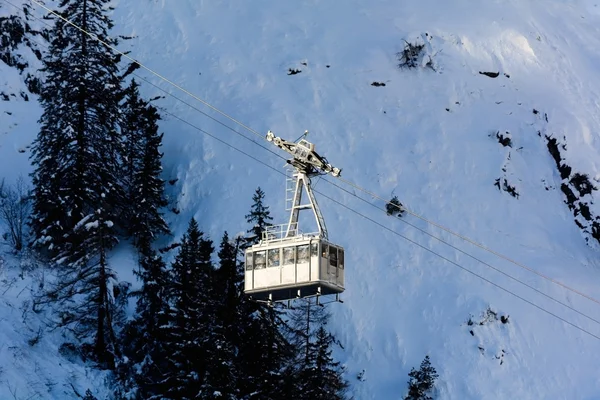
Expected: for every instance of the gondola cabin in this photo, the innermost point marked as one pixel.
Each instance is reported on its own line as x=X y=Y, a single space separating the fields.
x=287 y=264
x=284 y=268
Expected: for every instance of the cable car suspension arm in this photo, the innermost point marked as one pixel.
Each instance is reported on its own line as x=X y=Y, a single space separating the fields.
x=306 y=159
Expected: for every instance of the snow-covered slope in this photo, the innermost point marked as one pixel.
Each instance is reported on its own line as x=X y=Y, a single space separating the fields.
x=426 y=136
x=30 y=364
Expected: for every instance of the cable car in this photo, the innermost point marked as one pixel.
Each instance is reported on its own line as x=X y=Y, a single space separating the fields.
x=283 y=268
x=288 y=264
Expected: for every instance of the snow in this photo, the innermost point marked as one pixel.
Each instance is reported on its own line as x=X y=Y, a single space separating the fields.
x=30 y=365
x=91 y=225
x=401 y=301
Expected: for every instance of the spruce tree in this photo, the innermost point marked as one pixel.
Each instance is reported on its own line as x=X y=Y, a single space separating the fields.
x=229 y=283
x=76 y=154
x=85 y=303
x=190 y=317
x=259 y=217
x=318 y=375
x=144 y=338
x=251 y=331
x=305 y=319
x=220 y=379
x=222 y=337
x=321 y=378
x=421 y=382
x=144 y=189
x=236 y=315
x=265 y=353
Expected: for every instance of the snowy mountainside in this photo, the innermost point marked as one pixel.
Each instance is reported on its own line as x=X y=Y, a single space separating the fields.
x=431 y=137
x=21 y=45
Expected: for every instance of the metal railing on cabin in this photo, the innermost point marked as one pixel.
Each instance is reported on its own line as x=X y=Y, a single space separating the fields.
x=278 y=233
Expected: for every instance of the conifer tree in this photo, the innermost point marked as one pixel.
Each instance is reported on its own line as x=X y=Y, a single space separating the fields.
x=305 y=319
x=144 y=189
x=318 y=375
x=190 y=318
x=229 y=285
x=421 y=382
x=259 y=217
x=221 y=339
x=239 y=318
x=265 y=352
x=220 y=379
x=144 y=337
x=85 y=273
x=321 y=378
x=265 y=355
x=76 y=154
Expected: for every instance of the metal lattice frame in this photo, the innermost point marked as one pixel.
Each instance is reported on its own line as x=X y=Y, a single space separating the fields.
x=303 y=183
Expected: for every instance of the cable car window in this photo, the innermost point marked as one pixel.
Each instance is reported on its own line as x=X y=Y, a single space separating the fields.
x=314 y=249
x=325 y=253
x=288 y=255
x=249 y=261
x=303 y=253
x=260 y=260
x=333 y=256
x=274 y=258
x=341 y=258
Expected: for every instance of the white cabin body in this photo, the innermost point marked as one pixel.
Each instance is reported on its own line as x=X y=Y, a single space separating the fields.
x=294 y=267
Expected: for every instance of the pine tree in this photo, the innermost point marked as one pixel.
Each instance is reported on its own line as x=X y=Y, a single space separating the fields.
x=144 y=338
x=265 y=352
x=421 y=382
x=76 y=154
x=190 y=317
x=318 y=375
x=144 y=189
x=305 y=319
x=229 y=284
x=259 y=217
x=321 y=378
x=239 y=316
x=76 y=157
x=220 y=380
x=81 y=292
x=265 y=355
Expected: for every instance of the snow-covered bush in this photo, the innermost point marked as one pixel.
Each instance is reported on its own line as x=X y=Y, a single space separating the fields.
x=417 y=54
